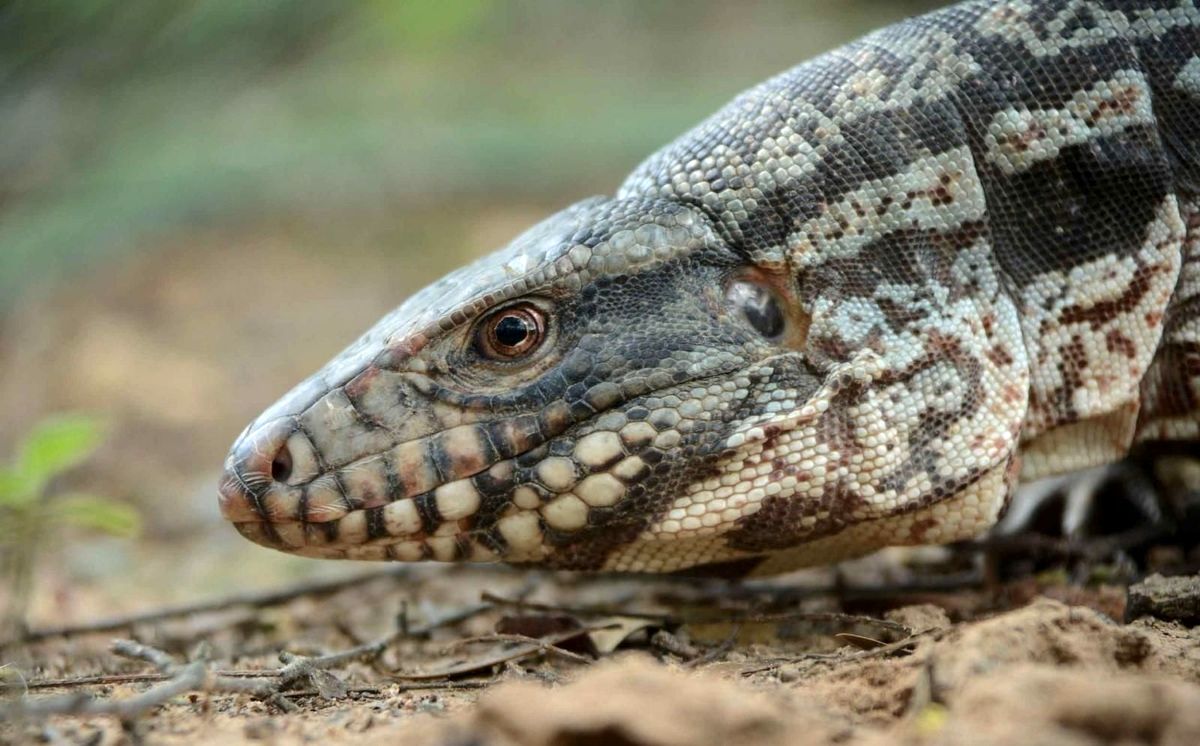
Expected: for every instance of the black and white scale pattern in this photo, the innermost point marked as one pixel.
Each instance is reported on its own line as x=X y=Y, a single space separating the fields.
x=982 y=226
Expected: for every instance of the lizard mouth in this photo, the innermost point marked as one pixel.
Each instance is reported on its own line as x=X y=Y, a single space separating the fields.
x=505 y=510
x=518 y=489
x=510 y=489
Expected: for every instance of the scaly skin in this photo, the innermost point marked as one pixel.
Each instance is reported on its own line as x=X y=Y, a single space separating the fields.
x=848 y=311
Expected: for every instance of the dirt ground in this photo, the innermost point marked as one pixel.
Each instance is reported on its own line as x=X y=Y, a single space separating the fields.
x=179 y=349
x=651 y=663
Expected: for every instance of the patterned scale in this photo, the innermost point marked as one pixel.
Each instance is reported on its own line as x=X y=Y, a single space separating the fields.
x=852 y=309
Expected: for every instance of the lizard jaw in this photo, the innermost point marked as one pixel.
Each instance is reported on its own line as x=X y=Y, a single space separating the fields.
x=536 y=490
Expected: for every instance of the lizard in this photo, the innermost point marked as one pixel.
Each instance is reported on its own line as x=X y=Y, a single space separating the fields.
x=853 y=309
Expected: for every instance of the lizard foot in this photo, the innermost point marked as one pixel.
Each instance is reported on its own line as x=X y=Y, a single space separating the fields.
x=1140 y=514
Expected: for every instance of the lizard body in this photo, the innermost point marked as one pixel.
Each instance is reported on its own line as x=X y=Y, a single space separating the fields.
x=850 y=310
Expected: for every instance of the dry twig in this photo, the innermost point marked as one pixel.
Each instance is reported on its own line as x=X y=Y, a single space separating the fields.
x=180 y=679
x=269 y=685
x=606 y=610
x=904 y=646
x=534 y=646
x=256 y=599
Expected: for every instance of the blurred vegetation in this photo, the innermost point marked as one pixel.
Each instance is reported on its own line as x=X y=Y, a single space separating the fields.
x=125 y=120
x=33 y=517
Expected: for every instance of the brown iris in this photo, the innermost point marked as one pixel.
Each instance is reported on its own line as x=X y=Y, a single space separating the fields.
x=511 y=332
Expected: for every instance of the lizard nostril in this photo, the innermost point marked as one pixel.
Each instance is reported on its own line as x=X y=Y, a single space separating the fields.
x=281 y=465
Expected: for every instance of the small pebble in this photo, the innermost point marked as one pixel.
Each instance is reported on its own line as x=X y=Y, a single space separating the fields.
x=1174 y=599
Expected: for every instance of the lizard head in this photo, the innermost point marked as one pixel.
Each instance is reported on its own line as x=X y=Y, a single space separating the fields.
x=556 y=402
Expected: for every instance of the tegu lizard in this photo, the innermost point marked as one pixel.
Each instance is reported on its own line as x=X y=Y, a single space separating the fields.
x=850 y=310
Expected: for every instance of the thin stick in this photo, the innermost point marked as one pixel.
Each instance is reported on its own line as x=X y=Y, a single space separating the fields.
x=720 y=651
x=581 y=610
x=189 y=678
x=102 y=679
x=881 y=651
x=256 y=599
x=295 y=666
x=181 y=679
x=544 y=645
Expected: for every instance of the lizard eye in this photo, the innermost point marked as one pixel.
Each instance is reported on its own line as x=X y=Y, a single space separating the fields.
x=511 y=332
x=759 y=306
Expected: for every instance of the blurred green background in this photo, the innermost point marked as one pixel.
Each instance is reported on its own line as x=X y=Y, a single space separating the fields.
x=201 y=201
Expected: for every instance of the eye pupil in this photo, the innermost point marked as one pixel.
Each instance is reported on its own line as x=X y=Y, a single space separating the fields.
x=511 y=331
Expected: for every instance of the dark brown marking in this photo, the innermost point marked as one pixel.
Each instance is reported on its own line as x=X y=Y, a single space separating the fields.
x=1099 y=314
x=441 y=459
x=1116 y=341
x=348 y=502
x=427 y=508
x=493 y=540
x=395 y=489
x=1072 y=365
x=376 y=527
x=463 y=549
x=325 y=532
x=779 y=523
x=302 y=504
x=999 y=355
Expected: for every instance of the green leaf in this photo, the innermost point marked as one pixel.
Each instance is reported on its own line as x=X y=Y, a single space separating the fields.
x=16 y=489
x=57 y=444
x=98 y=513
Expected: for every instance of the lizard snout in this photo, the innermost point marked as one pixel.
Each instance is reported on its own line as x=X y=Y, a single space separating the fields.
x=257 y=472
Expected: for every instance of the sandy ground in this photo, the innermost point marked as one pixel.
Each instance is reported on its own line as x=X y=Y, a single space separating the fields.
x=668 y=664
x=180 y=349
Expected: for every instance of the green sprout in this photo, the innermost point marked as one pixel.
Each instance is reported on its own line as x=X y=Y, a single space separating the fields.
x=32 y=514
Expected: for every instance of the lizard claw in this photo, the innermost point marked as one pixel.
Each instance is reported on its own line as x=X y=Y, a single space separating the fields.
x=1143 y=511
